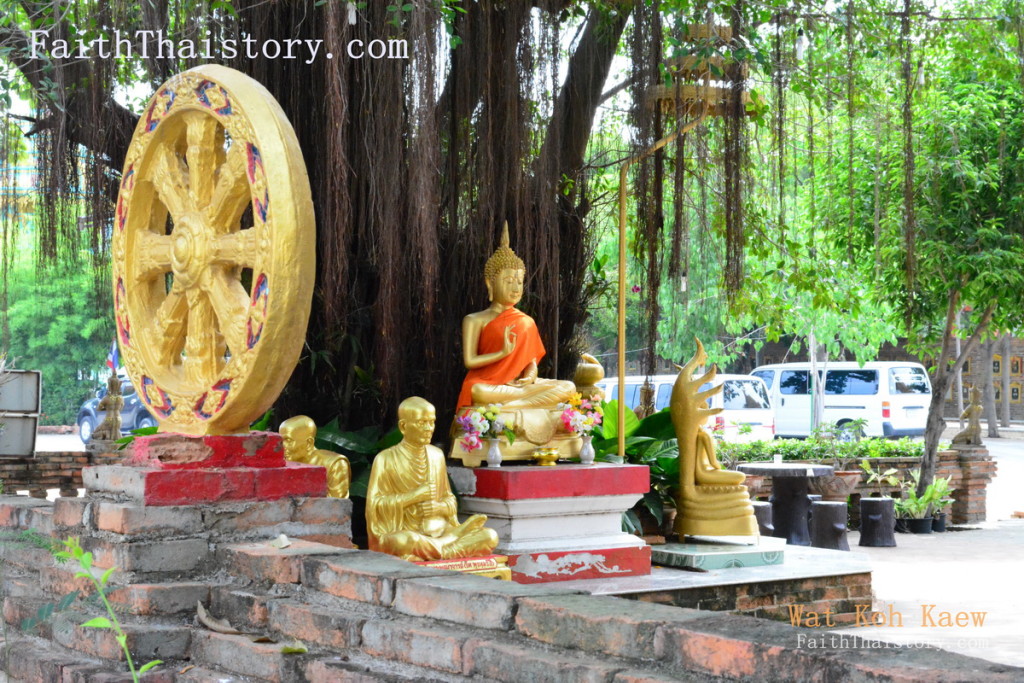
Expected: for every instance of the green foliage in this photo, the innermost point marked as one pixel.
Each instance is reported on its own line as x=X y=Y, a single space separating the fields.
x=359 y=447
x=824 y=450
x=74 y=551
x=651 y=442
x=61 y=326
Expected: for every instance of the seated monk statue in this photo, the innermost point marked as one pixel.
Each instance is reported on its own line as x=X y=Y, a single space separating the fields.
x=299 y=434
x=501 y=345
x=410 y=510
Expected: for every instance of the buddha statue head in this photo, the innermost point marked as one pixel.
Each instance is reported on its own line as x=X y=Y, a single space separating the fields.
x=504 y=273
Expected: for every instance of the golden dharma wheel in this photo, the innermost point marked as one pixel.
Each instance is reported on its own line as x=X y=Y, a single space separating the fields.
x=213 y=252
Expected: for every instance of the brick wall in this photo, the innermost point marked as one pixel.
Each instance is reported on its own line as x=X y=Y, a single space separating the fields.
x=365 y=616
x=50 y=471
x=842 y=596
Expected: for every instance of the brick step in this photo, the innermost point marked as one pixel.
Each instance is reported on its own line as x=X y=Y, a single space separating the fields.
x=199 y=674
x=239 y=655
x=33 y=660
x=145 y=641
x=324 y=518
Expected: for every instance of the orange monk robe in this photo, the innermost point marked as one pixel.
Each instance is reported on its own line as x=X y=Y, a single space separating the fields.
x=529 y=349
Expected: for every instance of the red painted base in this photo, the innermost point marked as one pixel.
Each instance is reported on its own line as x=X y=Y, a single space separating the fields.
x=562 y=481
x=157 y=487
x=186 y=452
x=580 y=564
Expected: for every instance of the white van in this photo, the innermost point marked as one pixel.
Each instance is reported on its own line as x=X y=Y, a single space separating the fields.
x=747 y=411
x=892 y=396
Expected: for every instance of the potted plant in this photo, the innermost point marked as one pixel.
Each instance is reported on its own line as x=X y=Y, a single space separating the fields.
x=942 y=499
x=877 y=514
x=917 y=510
x=840 y=451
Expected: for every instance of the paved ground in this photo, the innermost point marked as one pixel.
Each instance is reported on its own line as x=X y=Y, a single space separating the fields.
x=977 y=571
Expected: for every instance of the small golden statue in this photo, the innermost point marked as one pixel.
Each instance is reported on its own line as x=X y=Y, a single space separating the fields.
x=711 y=501
x=588 y=373
x=501 y=347
x=299 y=434
x=410 y=509
x=971 y=434
x=113 y=402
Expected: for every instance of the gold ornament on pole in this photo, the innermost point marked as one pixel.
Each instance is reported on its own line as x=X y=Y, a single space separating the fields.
x=213 y=252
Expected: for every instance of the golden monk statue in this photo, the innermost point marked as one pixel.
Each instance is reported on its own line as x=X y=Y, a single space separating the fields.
x=501 y=347
x=410 y=510
x=299 y=434
x=711 y=501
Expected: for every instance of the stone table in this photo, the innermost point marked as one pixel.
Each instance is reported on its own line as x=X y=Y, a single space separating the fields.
x=790 y=503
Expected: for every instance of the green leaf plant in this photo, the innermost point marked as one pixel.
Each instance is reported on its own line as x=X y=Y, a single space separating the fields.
x=74 y=551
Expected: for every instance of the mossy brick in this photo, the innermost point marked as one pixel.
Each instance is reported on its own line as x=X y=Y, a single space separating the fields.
x=16 y=610
x=145 y=641
x=227 y=519
x=132 y=519
x=26 y=661
x=177 y=556
x=243 y=607
x=322 y=510
x=60 y=580
x=417 y=642
x=199 y=674
x=238 y=654
x=265 y=563
x=467 y=599
x=161 y=598
x=40 y=520
x=505 y=661
x=600 y=624
x=70 y=514
x=337 y=540
x=642 y=676
x=361 y=575
x=158 y=675
x=316 y=625
x=335 y=670
x=14 y=510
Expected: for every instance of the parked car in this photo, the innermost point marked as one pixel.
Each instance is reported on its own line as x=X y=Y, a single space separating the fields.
x=746 y=408
x=891 y=396
x=133 y=415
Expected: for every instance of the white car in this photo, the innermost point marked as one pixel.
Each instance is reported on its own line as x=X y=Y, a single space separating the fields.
x=746 y=408
x=892 y=397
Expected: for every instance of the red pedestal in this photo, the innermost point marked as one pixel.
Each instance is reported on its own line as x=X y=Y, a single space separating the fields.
x=176 y=469
x=560 y=523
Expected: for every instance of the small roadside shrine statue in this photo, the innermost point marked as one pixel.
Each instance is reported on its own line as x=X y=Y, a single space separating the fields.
x=113 y=402
x=299 y=434
x=410 y=509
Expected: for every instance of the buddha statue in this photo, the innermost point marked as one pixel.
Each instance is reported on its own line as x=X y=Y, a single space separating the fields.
x=501 y=347
x=711 y=501
x=410 y=509
x=299 y=435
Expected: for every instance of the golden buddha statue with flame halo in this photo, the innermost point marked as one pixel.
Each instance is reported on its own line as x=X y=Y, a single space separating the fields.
x=501 y=347
x=711 y=501
x=410 y=509
x=299 y=435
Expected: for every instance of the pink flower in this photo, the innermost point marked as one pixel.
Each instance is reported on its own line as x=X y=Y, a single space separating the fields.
x=471 y=443
x=635 y=289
